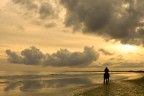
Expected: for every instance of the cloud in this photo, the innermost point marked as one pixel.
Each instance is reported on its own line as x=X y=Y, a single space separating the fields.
x=123 y=64
x=119 y=20
x=34 y=8
x=28 y=56
x=129 y=65
x=50 y=25
x=116 y=59
x=62 y=58
x=105 y=52
x=29 y=4
x=46 y=10
x=107 y=64
x=13 y=57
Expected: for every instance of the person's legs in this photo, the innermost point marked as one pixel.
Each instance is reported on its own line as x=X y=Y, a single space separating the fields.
x=108 y=76
x=106 y=81
x=104 y=78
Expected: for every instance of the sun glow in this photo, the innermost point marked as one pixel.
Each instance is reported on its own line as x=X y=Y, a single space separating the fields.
x=126 y=48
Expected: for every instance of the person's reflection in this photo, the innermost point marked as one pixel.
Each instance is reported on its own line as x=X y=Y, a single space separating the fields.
x=107 y=90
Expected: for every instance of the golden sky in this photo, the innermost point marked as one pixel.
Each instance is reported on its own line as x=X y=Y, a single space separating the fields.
x=57 y=35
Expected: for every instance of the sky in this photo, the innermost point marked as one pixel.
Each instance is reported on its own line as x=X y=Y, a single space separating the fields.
x=64 y=35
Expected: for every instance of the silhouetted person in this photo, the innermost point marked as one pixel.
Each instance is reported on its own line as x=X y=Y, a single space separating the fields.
x=106 y=70
x=106 y=75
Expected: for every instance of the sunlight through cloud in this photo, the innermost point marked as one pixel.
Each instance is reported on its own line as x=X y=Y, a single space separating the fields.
x=126 y=48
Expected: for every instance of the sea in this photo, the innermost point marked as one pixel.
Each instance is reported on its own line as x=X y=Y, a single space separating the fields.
x=33 y=83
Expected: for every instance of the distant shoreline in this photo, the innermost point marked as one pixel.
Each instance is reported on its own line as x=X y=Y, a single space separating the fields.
x=103 y=71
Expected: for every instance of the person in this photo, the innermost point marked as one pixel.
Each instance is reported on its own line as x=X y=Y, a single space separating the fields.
x=106 y=75
x=106 y=70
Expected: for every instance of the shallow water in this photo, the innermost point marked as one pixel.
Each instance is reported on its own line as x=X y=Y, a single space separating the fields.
x=51 y=83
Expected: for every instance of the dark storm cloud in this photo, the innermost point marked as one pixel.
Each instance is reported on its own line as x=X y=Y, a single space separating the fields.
x=63 y=57
x=120 y=20
x=28 y=56
x=13 y=57
x=32 y=56
x=105 y=52
x=45 y=10
x=90 y=13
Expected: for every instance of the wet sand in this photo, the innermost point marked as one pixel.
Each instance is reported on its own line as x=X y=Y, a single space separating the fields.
x=133 y=87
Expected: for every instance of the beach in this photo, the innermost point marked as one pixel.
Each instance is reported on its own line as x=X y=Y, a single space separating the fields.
x=70 y=84
x=125 y=87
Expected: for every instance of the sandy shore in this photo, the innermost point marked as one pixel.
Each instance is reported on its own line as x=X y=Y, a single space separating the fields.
x=116 y=88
